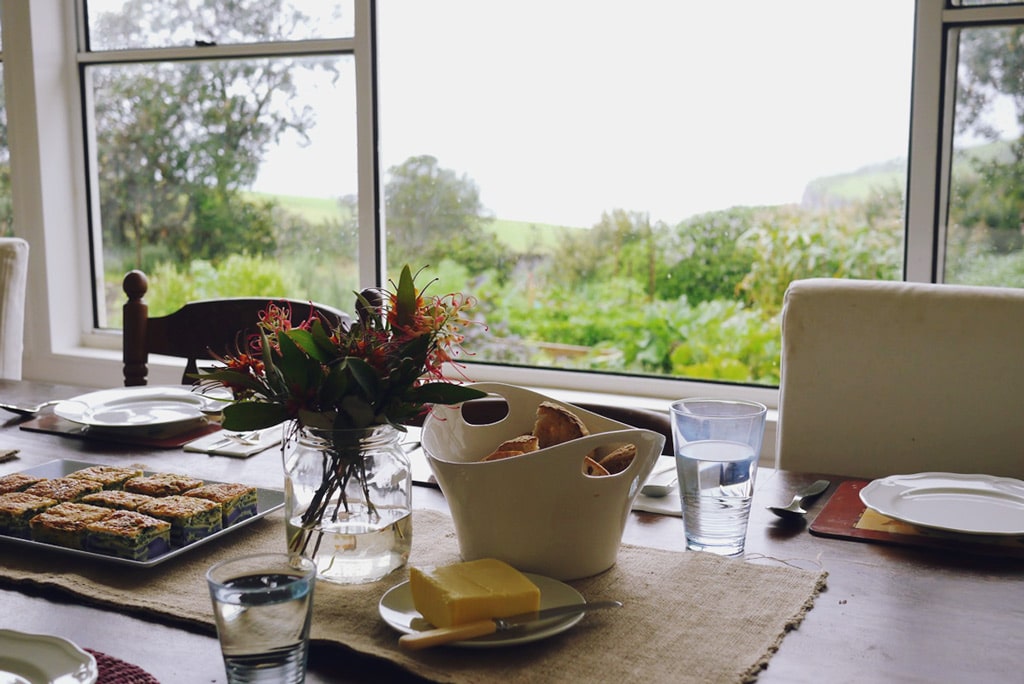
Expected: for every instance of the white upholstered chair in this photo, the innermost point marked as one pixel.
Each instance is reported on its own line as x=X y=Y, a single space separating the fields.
x=13 y=275
x=882 y=378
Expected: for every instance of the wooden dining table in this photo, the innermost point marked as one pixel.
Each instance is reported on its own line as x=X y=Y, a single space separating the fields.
x=889 y=613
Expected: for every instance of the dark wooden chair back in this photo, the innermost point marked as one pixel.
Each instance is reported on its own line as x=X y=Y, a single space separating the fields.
x=196 y=329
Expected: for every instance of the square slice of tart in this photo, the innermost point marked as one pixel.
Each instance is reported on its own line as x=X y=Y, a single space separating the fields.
x=111 y=477
x=117 y=498
x=65 y=488
x=129 y=534
x=64 y=524
x=161 y=484
x=237 y=501
x=17 y=508
x=17 y=482
x=191 y=518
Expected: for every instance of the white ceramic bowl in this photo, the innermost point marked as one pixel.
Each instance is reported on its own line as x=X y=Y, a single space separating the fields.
x=538 y=512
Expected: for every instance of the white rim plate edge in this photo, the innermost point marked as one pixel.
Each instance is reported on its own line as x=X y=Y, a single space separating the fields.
x=145 y=406
x=396 y=608
x=951 y=502
x=55 y=658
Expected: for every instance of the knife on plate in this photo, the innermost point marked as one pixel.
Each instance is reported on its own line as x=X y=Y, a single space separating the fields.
x=445 y=635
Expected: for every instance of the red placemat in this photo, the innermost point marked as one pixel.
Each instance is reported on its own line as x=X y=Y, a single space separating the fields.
x=115 y=671
x=58 y=426
x=845 y=517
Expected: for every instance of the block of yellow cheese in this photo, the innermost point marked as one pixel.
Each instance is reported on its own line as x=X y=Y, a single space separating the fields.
x=475 y=590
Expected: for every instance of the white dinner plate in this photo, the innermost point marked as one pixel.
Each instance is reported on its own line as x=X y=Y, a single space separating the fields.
x=30 y=658
x=135 y=407
x=397 y=609
x=970 y=504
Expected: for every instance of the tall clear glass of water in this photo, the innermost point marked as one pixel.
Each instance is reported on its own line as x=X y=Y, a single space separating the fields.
x=717 y=445
x=263 y=605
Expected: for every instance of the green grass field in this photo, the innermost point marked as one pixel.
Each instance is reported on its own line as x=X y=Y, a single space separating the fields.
x=314 y=209
x=525 y=236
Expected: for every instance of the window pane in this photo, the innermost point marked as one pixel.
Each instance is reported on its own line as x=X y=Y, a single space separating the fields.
x=122 y=24
x=630 y=187
x=6 y=209
x=984 y=240
x=227 y=178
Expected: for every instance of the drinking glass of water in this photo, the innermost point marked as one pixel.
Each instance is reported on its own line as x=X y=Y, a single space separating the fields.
x=717 y=444
x=263 y=605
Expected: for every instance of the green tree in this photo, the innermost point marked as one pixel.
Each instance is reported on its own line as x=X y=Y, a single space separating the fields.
x=177 y=141
x=435 y=214
x=992 y=198
x=707 y=260
x=623 y=244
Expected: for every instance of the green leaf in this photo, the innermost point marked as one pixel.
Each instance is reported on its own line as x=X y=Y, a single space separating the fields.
x=360 y=412
x=233 y=378
x=300 y=372
x=305 y=341
x=405 y=298
x=324 y=420
x=363 y=374
x=443 y=393
x=252 y=415
x=336 y=385
x=322 y=339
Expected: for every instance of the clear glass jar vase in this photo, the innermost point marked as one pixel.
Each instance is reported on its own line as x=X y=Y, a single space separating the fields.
x=348 y=500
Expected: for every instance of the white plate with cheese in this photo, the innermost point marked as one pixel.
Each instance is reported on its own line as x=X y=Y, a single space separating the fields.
x=396 y=607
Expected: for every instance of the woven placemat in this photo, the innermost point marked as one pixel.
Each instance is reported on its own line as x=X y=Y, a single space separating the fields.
x=687 y=617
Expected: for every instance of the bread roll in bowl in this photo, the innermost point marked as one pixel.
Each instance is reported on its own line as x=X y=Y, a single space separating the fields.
x=530 y=510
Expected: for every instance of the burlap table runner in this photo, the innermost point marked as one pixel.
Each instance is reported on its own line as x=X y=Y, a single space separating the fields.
x=687 y=617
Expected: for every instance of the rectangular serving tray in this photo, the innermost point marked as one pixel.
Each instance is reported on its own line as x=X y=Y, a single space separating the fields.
x=267 y=500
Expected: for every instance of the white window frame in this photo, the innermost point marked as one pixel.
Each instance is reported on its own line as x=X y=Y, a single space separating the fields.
x=45 y=114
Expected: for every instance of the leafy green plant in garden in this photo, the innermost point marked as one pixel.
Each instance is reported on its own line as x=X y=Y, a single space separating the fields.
x=240 y=276
x=724 y=340
x=709 y=260
x=789 y=244
x=714 y=340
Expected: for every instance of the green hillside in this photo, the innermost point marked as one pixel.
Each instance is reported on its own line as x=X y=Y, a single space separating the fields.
x=526 y=236
x=314 y=209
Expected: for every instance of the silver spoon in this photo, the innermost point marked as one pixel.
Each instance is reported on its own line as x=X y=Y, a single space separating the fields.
x=659 y=489
x=795 y=509
x=29 y=410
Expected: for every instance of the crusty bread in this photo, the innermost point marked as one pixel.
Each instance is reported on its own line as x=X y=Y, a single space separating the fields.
x=619 y=459
x=524 y=443
x=499 y=454
x=592 y=467
x=517 y=446
x=556 y=424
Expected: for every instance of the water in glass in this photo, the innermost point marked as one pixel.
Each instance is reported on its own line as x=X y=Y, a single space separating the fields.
x=716 y=483
x=263 y=625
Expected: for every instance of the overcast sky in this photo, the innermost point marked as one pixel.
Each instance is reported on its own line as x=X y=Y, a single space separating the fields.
x=561 y=110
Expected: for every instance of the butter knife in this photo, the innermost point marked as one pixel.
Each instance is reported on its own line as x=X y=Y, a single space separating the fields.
x=445 y=635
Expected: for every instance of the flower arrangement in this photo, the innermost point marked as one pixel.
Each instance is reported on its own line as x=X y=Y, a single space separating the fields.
x=384 y=368
x=341 y=383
